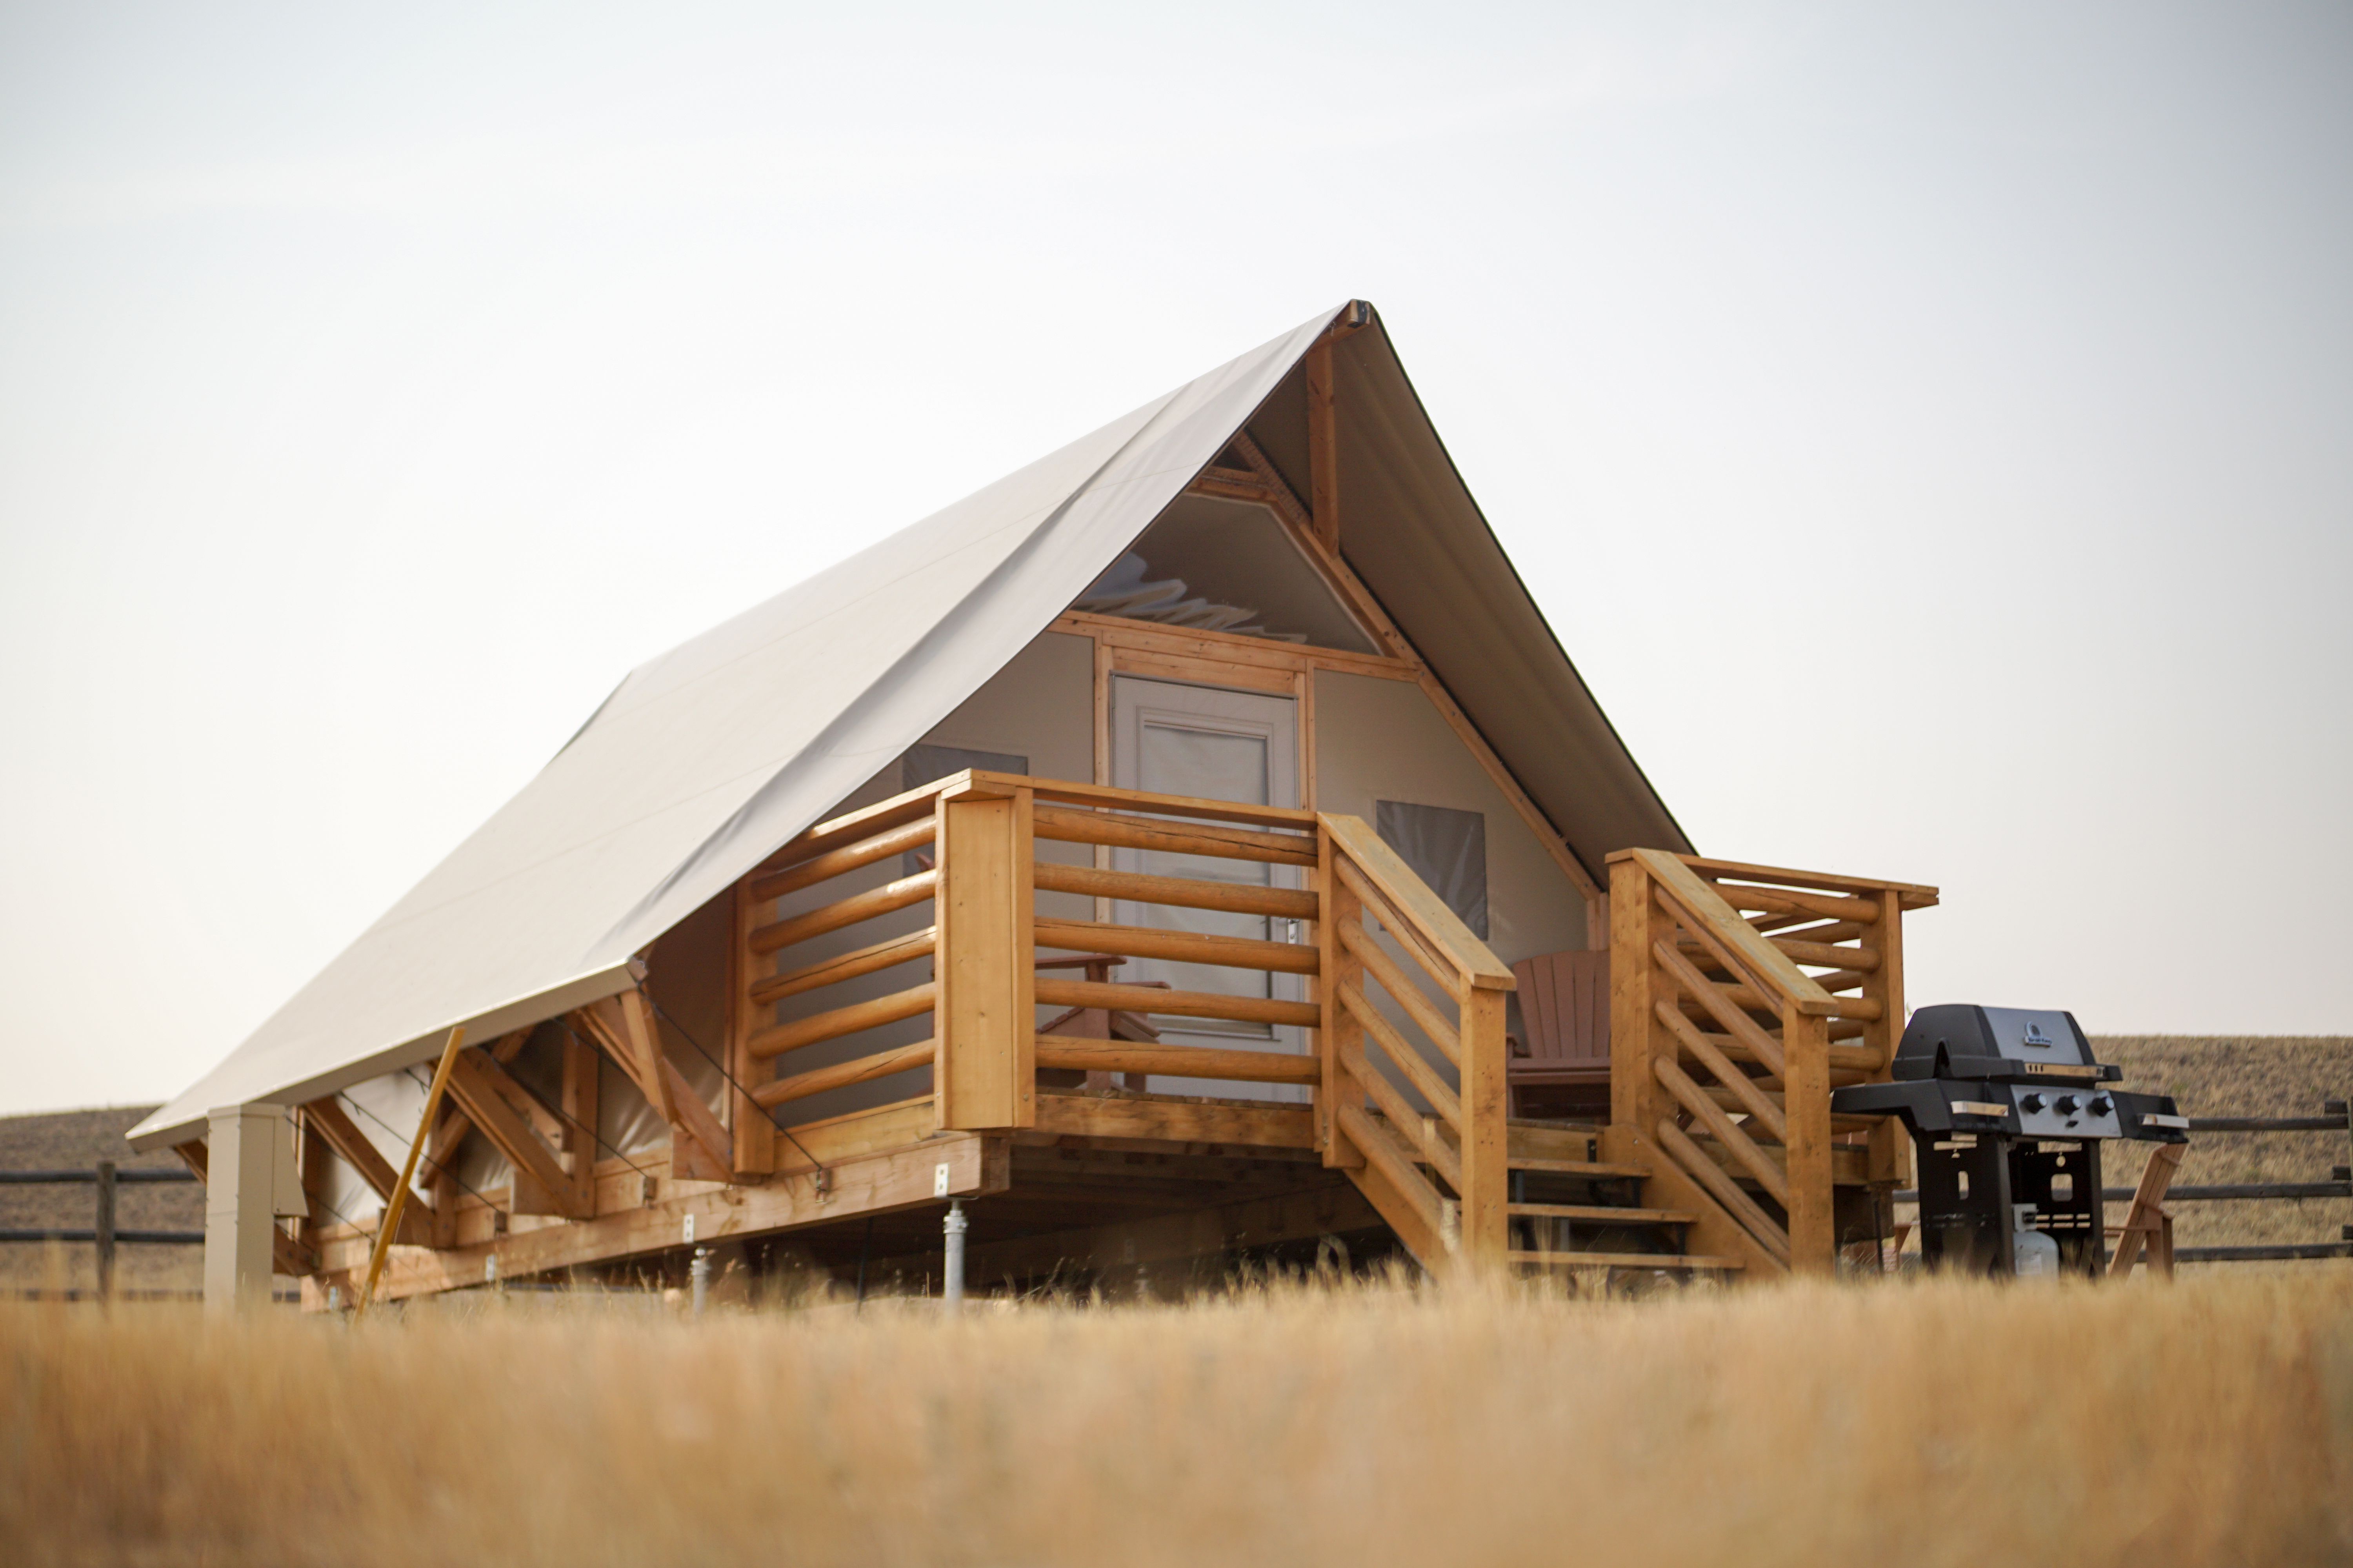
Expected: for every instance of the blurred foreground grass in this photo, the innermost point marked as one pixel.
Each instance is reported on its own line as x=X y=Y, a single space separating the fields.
x=1931 y=1423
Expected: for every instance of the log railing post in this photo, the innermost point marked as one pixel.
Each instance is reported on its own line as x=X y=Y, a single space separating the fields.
x=1341 y=1033
x=1806 y=1103
x=985 y=1014
x=1486 y=1129
x=1634 y=1033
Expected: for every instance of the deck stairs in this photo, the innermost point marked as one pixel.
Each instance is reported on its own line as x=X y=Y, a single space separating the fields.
x=1741 y=995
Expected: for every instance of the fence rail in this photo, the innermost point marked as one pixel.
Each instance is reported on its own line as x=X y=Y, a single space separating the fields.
x=105 y=1235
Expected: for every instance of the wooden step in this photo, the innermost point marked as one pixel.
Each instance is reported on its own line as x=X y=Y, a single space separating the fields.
x=1605 y=1214
x=1621 y=1260
x=1575 y=1167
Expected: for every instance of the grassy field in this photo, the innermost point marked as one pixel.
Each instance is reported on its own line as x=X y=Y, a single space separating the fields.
x=2210 y=1422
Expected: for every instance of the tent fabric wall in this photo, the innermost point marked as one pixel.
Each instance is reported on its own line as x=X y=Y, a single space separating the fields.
x=705 y=760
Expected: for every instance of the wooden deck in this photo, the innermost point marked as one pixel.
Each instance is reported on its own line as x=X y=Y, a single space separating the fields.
x=1740 y=996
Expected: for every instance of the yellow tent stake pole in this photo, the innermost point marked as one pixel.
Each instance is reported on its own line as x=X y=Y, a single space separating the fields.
x=389 y=1225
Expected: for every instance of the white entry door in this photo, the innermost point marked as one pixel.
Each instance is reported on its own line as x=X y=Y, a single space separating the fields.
x=1211 y=745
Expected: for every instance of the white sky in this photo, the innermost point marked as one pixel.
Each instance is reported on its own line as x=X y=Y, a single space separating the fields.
x=1931 y=432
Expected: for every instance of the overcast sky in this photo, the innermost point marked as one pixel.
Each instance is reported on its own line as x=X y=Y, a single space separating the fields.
x=1930 y=429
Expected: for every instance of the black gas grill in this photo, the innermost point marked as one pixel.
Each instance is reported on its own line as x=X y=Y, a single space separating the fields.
x=2006 y=1110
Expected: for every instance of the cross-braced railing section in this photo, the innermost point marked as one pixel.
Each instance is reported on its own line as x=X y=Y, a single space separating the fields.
x=1440 y=1176
x=1007 y=899
x=1740 y=995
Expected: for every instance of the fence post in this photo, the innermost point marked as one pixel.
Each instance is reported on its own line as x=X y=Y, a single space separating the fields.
x=105 y=1230
x=984 y=1015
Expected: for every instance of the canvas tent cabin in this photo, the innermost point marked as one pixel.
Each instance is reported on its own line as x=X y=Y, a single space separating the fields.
x=1195 y=842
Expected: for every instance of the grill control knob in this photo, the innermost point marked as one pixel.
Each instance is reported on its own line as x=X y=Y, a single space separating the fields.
x=2067 y=1105
x=2029 y=1102
x=2100 y=1105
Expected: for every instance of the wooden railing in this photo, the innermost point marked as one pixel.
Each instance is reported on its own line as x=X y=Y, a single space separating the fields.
x=974 y=838
x=1724 y=1048
x=1439 y=1177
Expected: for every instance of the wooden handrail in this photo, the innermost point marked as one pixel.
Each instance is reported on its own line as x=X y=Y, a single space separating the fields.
x=1706 y=916
x=1915 y=895
x=1435 y=923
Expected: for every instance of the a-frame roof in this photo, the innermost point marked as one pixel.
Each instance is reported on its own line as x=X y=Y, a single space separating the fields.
x=707 y=758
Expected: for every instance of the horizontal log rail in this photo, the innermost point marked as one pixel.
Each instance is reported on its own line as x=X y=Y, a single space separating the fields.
x=1410 y=998
x=1366 y=1047
x=1816 y=951
x=841 y=1075
x=848 y=911
x=1069 y=824
x=881 y=955
x=1057 y=993
x=1751 y=1035
x=850 y=858
x=1433 y=1150
x=1915 y=895
x=1410 y=1062
x=1177 y=1061
x=1181 y=946
x=1384 y=1154
x=1725 y=1132
x=1187 y=892
x=1762 y=1227
x=1737 y=1083
x=1065 y=792
x=782 y=1037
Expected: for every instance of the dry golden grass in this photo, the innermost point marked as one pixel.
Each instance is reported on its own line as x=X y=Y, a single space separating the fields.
x=1932 y=1424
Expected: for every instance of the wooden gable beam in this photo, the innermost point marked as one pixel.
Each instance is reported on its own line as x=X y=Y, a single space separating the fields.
x=1276 y=495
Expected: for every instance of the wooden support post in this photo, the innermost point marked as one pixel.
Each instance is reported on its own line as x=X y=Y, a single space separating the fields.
x=1486 y=1133
x=1890 y=1146
x=486 y=1094
x=1806 y=1104
x=580 y=1108
x=1323 y=447
x=240 y=1223
x=751 y=1133
x=1634 y=1029
x=985 y=1014
x=1341 y=1036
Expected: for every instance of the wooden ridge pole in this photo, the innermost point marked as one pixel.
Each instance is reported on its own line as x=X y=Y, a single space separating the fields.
x=390 y=1224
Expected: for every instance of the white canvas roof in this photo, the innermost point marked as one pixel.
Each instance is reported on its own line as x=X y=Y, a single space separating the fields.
x=707 y=758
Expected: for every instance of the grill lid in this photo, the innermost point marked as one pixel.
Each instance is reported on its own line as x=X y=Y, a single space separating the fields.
x=1962 y=1040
